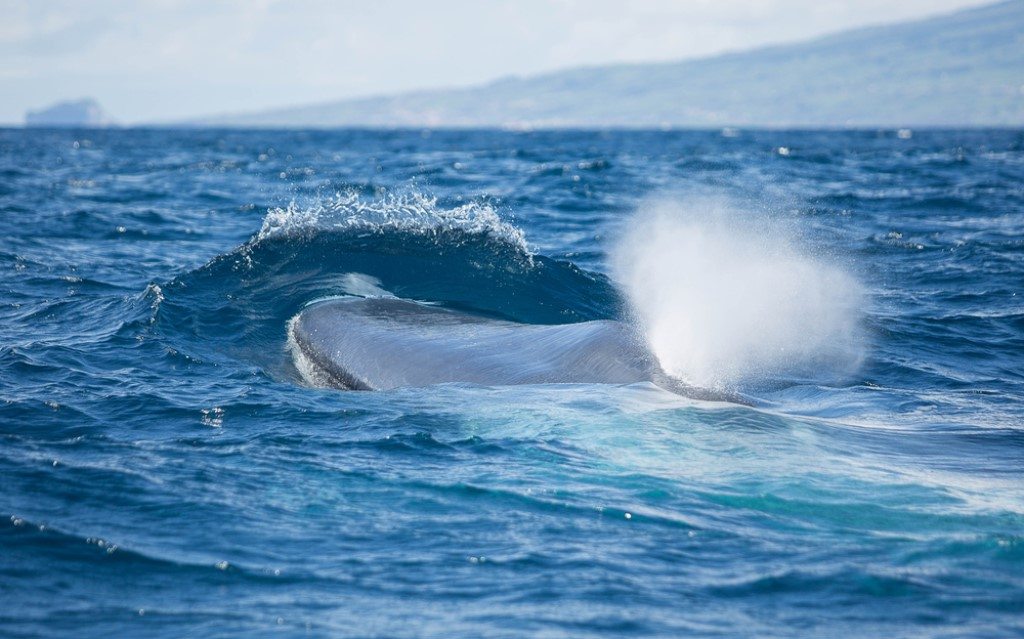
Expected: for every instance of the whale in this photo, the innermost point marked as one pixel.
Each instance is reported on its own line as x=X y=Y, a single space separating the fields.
x=388 y=343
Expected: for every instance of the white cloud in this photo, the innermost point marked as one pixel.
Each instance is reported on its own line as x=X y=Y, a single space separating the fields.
x=166 y=59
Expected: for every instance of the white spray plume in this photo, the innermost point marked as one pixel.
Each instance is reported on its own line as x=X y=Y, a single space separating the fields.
x=725 y=299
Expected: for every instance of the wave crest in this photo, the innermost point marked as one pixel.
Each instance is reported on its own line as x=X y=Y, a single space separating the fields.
x=410 y=213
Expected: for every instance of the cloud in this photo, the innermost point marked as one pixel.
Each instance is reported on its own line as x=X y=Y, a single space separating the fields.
x=165 y=59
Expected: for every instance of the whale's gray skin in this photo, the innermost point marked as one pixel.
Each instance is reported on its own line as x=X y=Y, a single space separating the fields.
x=385 y=343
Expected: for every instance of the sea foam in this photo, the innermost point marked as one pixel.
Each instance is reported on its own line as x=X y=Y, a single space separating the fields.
x=413 y=213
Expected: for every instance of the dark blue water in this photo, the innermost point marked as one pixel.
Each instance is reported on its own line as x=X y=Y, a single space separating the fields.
x=166 y=470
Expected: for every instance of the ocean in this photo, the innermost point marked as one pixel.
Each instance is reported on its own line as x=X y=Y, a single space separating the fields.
x=849 y=303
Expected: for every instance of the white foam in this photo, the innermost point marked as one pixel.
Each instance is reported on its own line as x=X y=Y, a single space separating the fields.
x=409 y=212
x=725 y=299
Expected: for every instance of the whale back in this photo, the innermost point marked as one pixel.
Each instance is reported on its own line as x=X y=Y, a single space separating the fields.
x=384 y=343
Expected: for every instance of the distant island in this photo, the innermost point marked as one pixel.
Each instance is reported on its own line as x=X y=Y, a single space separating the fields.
x=961 y=69
x=73 y=113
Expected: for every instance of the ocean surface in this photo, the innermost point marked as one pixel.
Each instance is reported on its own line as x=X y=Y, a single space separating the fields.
x=852 y=302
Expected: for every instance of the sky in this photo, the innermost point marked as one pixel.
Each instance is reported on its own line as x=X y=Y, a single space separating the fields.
x=165 y=60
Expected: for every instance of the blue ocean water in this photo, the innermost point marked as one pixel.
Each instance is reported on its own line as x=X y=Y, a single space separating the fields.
x=166 y=470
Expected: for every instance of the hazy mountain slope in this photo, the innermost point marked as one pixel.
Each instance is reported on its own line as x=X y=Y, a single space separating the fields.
x=965 y=68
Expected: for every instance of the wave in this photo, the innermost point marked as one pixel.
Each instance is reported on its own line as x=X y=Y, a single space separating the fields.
x=463 y=257
x=412 y=213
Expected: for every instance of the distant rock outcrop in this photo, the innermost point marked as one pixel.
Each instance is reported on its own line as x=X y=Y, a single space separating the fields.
x=72 y=113
x=961 y=69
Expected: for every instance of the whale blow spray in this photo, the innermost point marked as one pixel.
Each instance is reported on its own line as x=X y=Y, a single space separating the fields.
x=726 y=300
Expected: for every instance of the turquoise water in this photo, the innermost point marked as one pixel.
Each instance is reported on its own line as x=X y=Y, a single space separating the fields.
x=166 y=470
